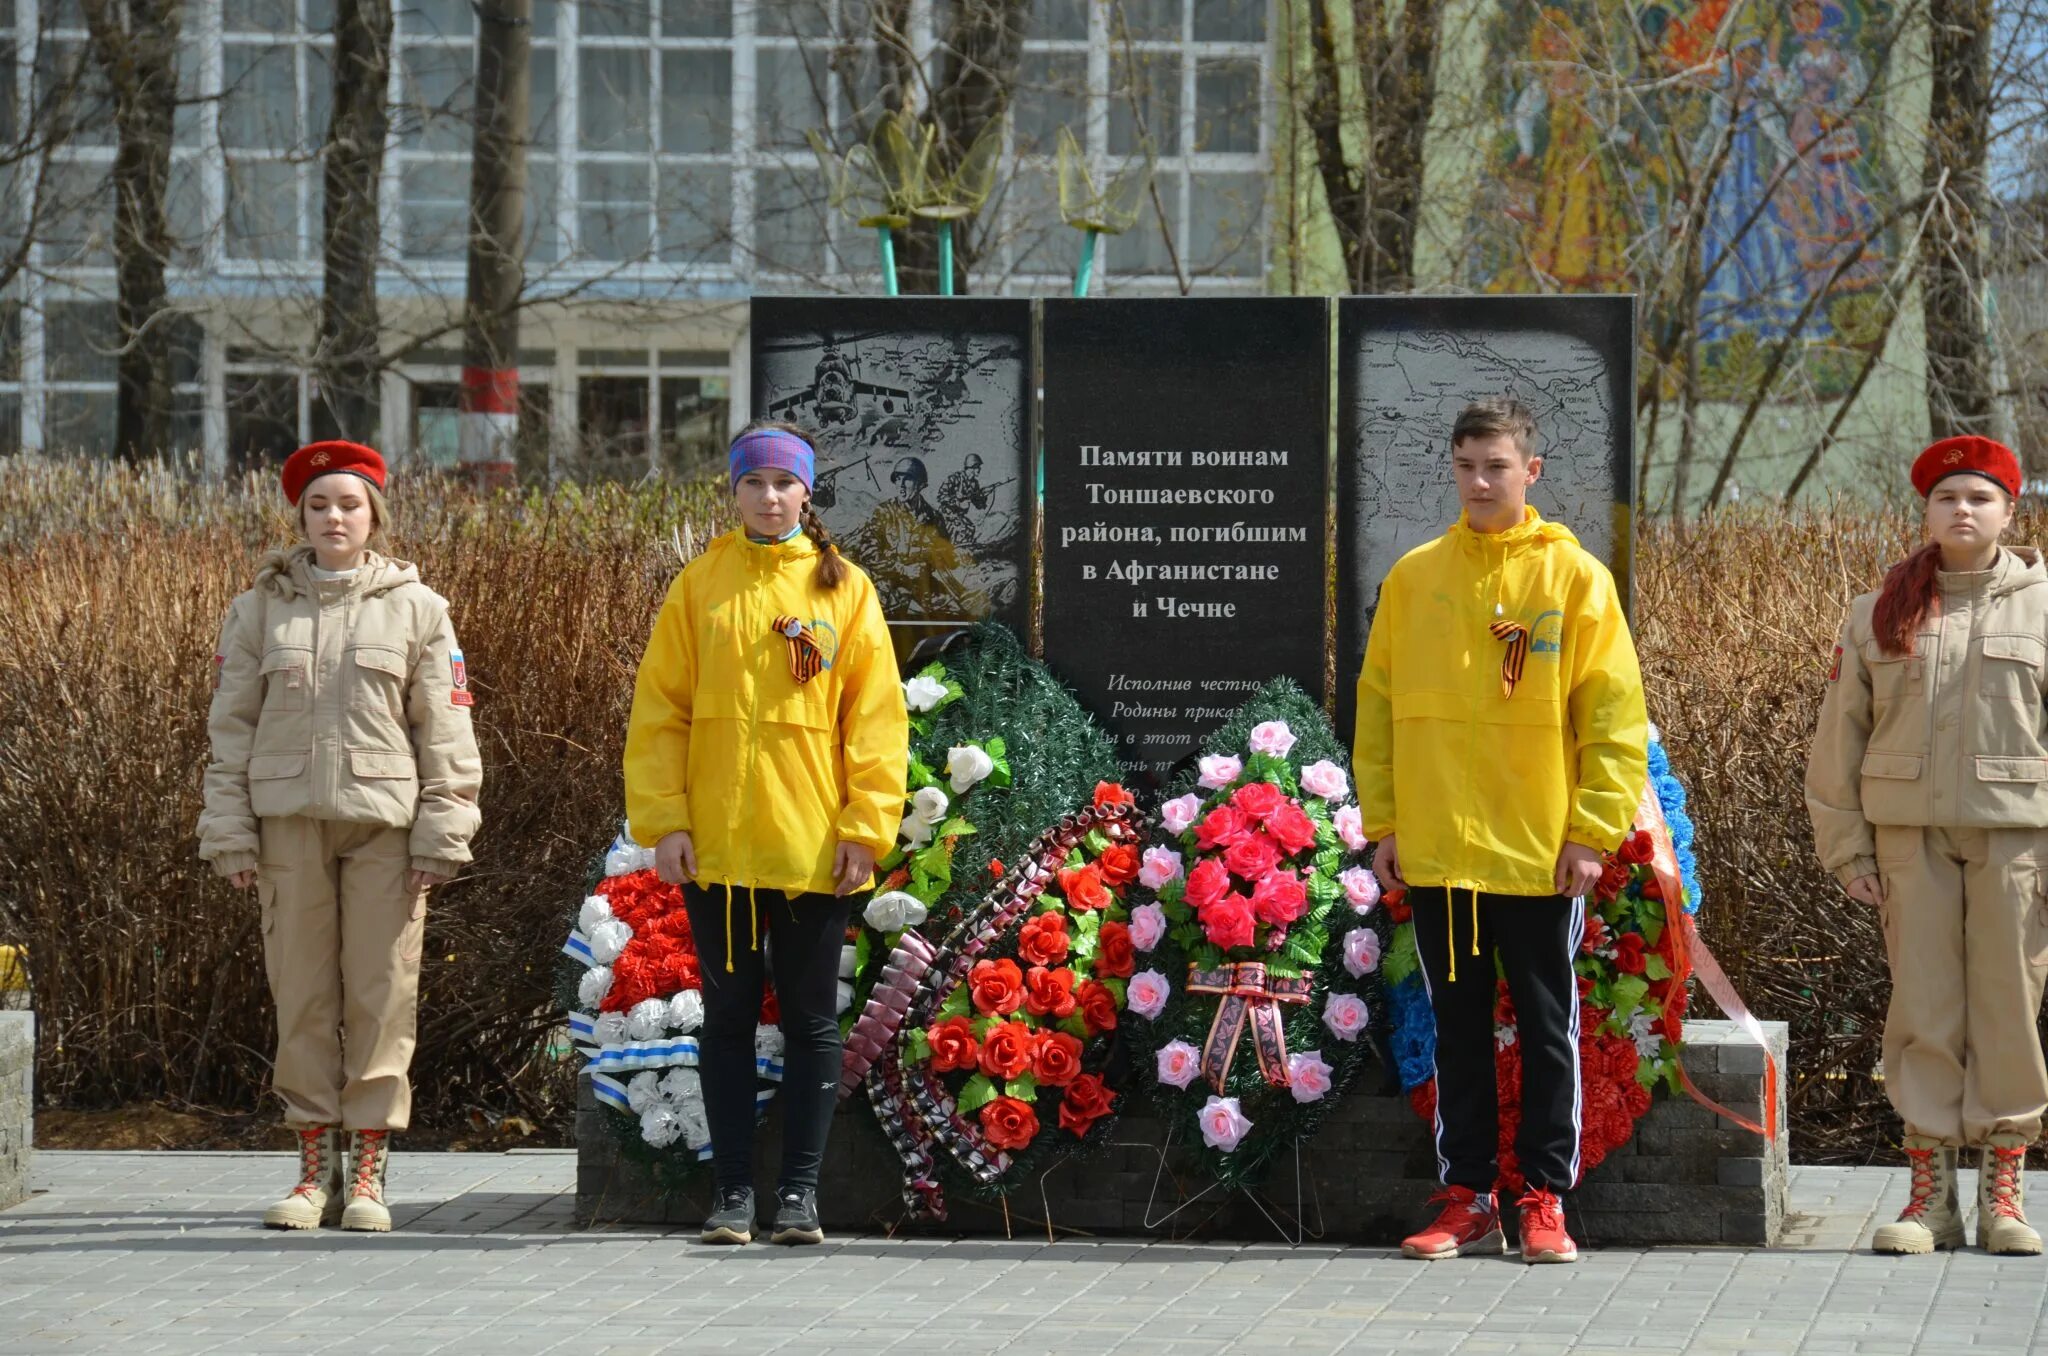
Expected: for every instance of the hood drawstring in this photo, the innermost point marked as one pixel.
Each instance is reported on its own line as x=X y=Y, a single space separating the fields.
x=1451 y=925
x=753 y=922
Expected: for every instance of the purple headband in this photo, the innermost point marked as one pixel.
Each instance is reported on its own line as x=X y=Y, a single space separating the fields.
x=773 y=448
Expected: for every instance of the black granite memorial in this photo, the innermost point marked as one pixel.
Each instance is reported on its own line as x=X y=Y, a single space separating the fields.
x=1186 y=498
x=923 y=412
x=1407 y=365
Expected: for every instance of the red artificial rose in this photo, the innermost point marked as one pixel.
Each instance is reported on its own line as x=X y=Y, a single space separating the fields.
x=1115 y=957
x=1221 y=827
x=1629 y=953
x=1207 y=883
x=1614 y=878
x=1109 y=793
x=1085 y=1102
x=1422 y=1097
x=1258 y=799
x=1653 y=889
x=953 y=1045
x=995 y=867
x=1279 y=899
x=1006 y=1054
x=1637 y=848
x=997 y=986
x=1055 y=1059
x=1119 y=863
x=1292 y=829
x=1098 y=1007
x=771 y=1009
x=1043 y=940
x=1669 y=1026
x=1049 y=993
x=1636 y=1100
x=1395 y=902
x=1084 y=889
x=1228 y=922
x=1251 y=857
x=1009 y=1123
x=1596 y=934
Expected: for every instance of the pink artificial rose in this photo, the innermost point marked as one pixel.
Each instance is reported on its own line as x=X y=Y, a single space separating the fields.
x=1148 y=926
x=1218 y=770
x=1272 y=737
x=1324 y=778
x=1207 y=883
x=1361 y=952
x=1223 y=1123
x=1179 y=1063
x=1147 y=994
x=1351 y=828
x=1159 y=866
x=1221 y=827
x=1178 y=815
x=1346 y=1015
x=1361 y=887
x=1279 y=898
x=1228 y=922
x=1308 y=1077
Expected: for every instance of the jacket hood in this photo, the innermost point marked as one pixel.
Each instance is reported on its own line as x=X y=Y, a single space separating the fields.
x=288 y=573
x=1534 y=529
x=736 y=545
x=2021 y=568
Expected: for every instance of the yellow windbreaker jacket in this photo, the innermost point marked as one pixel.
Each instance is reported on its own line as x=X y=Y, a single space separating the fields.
x=766 y=774
x=1484 y=789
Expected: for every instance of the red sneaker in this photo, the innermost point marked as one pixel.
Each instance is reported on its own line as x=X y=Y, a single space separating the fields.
x=1543 y=1235
x=1469 y=1222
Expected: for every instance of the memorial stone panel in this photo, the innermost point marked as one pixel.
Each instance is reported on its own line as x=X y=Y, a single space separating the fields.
x=923 y=412
x=1407 y=365
x=1186 y=499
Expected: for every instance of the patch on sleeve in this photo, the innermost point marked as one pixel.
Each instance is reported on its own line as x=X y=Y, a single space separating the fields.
x=219 y=662
x=459 y=673
x=1835 y=673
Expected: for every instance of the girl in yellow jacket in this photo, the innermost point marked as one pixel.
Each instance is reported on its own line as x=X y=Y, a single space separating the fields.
x=342 y=786
x=765 y=765
x=1928 y=788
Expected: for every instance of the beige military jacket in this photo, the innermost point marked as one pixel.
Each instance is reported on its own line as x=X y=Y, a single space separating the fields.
x=1951 y=735
x=340 y=699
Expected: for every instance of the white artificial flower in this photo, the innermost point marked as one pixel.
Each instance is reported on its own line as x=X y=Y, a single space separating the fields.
x=929 y=804
x=686 y=1010
x=1643 y=1031
x=922 y=693
x=595 y=984
x=681 y=1085
x=916 y=833
x=849 y=961
x=627 y=856
x=894 y=910
x=659 y=1125
x=1504 y=1035
x=608 y=939
x=693 y=1123
x=610 y=1028
x=845 y=996
x=642 y=1091
x=968 y=765
x=648 y=1019
x=596 y=909
x=767 y=1042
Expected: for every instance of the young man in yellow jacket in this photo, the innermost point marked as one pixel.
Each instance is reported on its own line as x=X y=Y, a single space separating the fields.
x=1502 y=747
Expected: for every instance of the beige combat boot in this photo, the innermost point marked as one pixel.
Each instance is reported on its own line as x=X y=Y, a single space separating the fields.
x=1932 y=1218
x=316 y=1200
x=2001 y=1199
x=368 y=1150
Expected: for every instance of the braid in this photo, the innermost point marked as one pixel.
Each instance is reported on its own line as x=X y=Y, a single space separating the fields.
x=831 y=565
x=1909 y=594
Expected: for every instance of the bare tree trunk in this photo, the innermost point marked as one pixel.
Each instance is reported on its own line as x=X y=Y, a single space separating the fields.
x=1374 y=203
x=136 y=45
x=497 y=240
x=349 y=361
x=1952 y=267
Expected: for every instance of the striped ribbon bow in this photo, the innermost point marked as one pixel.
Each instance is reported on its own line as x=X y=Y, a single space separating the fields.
x=806 y=660
x=1517 y=637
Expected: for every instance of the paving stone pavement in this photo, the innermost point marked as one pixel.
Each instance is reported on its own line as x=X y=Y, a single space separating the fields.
x=158 y=1252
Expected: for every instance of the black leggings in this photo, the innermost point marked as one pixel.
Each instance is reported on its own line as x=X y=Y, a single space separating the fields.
x=803 y=935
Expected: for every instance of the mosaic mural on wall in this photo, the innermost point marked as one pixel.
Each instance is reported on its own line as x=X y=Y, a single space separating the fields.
x=1584 y=189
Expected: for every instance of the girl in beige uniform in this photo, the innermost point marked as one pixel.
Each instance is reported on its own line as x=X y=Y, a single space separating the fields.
x=1928 y=788
x=343 y=787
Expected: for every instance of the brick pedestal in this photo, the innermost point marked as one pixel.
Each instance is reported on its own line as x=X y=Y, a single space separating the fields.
x=1687 y=1176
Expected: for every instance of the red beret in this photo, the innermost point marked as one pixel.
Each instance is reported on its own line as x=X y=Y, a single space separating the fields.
x=314 y=460
x=1967 y=455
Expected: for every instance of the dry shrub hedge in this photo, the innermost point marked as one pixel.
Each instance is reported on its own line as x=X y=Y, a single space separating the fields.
x=147 y=971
